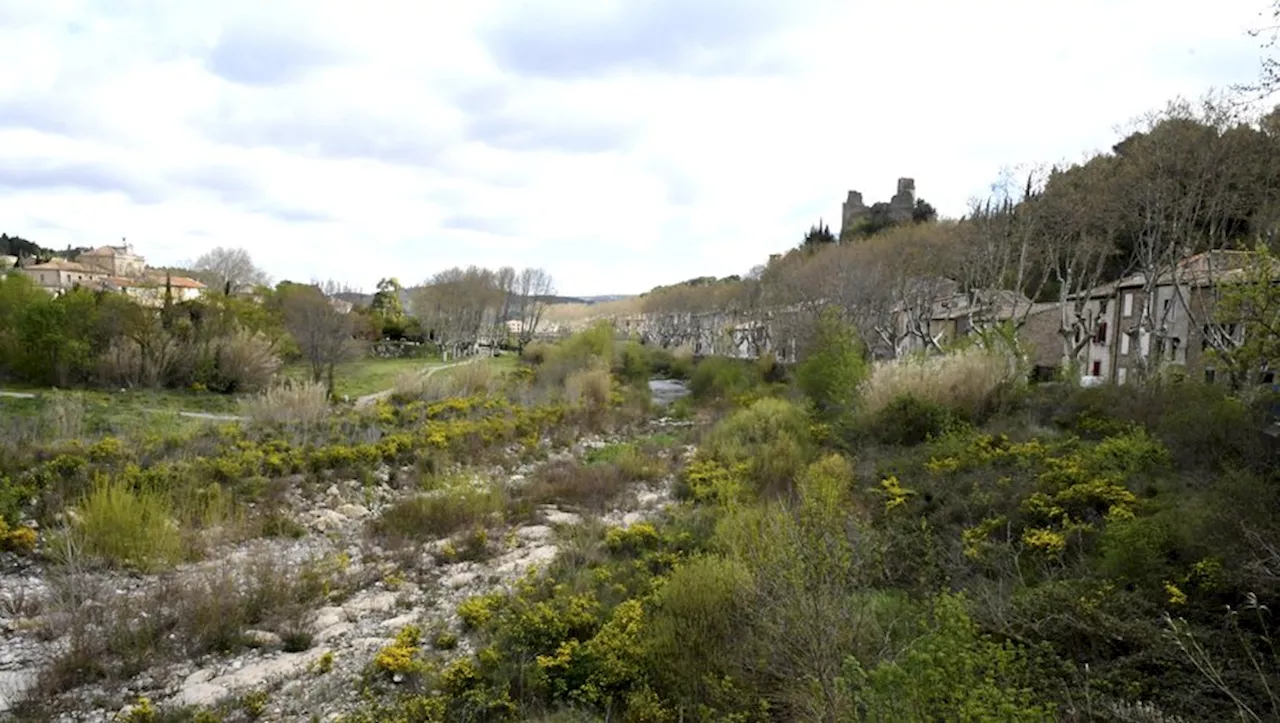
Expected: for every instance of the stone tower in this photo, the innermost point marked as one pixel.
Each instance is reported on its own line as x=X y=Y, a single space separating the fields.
x=899 y=209
x=903 y=202
x=852 y=211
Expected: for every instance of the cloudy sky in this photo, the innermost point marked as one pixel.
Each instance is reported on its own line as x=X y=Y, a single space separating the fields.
x=617 y=143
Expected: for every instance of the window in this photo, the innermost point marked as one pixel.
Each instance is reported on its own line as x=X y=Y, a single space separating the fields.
x=1210 y=375
x=1101 y=336
x=1128 y=304
x=1124 y=343
x=1269 y=377
x=1097 y=369
x=1121 y=373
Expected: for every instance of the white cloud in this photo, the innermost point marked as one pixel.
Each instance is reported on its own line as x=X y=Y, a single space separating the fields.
x=621 y=147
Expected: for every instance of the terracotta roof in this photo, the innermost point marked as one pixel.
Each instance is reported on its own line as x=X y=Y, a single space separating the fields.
x=57 y=264
x=178 y=282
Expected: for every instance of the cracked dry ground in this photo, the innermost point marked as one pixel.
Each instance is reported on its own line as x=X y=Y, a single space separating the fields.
x=330 y=594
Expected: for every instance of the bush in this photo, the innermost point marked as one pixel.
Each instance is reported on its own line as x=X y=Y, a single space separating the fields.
x=592 y=486
x=631 y=364
x=717 y=379
x=909 y=421
x=969 y=382
x=127 y=527
x=441 y=513
x=693 y=631
x=833 y=369
x=668 y=364
x=590 y=388
x=771 y=438
x=245 y=361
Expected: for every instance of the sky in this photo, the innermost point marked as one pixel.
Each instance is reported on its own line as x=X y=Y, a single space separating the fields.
x=618 y=145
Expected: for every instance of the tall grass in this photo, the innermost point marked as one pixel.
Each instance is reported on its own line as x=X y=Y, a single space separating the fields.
x=297 y=404
x=129 y=527
x=969 y=381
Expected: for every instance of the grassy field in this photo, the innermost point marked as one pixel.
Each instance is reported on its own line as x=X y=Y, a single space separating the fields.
x=366 y=376
x=97 y=413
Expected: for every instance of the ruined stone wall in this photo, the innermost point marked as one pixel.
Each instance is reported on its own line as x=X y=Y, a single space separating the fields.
x=900 y=207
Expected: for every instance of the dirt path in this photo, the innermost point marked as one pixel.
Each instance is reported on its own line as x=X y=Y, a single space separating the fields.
x=370 y=399
x=209 y=416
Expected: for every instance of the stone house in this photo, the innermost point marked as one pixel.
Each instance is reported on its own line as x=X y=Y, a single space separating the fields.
x=1141 y=328
x=59 y=275
x=117 y=261
x=150 y=290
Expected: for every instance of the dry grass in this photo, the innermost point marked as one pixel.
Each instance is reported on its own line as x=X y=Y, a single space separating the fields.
x=294 y=404
x=113 y=635
x=464 y=380
x=595 y=485
x=247 y=361
x=968 y=381
x=589 y=387
x=440 y=513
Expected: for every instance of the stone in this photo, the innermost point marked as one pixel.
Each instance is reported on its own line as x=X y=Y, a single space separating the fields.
x=459 y=579
x=400 y=621
x=327 y=520
x=381 y=602
x=13 y=685
x=200 y=676
x=534 y=533
x=555 y=516
x=262 y=639
x=334 y=631
x=352 y=511
x=327 y=617
x=202 y=695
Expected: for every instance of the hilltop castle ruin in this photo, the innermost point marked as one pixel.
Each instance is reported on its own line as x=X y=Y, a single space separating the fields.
x=899 y=209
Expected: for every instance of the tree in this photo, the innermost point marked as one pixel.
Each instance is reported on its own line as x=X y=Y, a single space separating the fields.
x=457 y=305
x=230 y=270
x=833 y=368
x=324 y=334
x=819 y=235
x=535 y=288
x=387 y=310
x=1269 y=34
x=1246 y=331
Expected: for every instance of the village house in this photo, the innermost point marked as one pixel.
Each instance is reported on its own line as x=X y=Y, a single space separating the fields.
x=114 y=269
x=59 y=275
x=953 y=314
x=1140 y=328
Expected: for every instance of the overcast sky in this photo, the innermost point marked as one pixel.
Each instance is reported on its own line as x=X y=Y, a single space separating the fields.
x=618 y=144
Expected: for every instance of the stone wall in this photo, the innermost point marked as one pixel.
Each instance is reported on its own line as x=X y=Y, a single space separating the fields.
x=900 y=207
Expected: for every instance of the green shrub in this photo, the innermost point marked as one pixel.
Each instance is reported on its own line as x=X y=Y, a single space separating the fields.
x=720 y=379
x=951 y=673
x=128 y=527
x=631 y=364
x=693 y=634
x=771 y=438
x=833 y=368
x=908 y=421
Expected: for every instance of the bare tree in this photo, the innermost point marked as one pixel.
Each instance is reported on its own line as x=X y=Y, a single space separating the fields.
x=458 y=305
x=230 y=269
x=324 y=333
x=534 y=288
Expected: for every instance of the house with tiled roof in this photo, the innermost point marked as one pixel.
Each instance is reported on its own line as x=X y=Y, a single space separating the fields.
x=58 y=275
